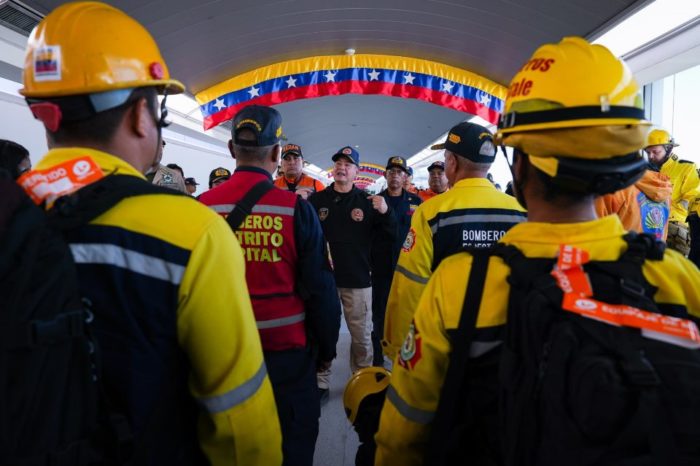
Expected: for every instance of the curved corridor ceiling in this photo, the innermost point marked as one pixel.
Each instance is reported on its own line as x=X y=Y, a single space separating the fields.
x=208 y=42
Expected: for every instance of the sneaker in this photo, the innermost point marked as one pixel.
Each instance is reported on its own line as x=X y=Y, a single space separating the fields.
x=323 y=395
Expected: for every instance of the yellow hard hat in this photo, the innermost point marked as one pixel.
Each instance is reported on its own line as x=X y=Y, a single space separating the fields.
x=573 y=101
x=572 y=84
x=365 y=382
x=92 y=47
x=660 y=137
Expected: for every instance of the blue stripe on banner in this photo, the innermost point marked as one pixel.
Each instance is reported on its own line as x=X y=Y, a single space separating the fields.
x=284 y=83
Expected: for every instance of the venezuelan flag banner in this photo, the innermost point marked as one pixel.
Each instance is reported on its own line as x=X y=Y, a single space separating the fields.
x=306 y=78
x=366 y=175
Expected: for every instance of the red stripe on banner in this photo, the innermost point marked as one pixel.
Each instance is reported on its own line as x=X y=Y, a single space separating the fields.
x=405 y=91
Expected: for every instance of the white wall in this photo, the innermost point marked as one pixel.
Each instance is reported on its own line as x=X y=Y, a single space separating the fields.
x=17 y=124
x=197 y=158
x=676 y=101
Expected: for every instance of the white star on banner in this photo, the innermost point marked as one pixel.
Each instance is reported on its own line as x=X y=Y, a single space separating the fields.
x=408 y=78
x=373 y=75
x=254 y=92
x=219 y=104
x=447 y=86
x=330 y=76
x=291 y=82
x=483 y=98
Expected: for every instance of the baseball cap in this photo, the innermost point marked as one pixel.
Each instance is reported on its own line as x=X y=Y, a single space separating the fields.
x=265 y=122
x=471 y=141
x=219 y=173
x=349 y=153
x=410 y=171
x=292 y=149
x=397 y=161
x=191 y=181
x=437 y=164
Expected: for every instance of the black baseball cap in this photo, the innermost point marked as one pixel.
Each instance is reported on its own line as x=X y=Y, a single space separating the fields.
x=399 y=162
x=265 y=122
x=191 y=181
x=349 y=153
x=219 y=173
x=437 y=164
x=292 y=149
x=471 y=141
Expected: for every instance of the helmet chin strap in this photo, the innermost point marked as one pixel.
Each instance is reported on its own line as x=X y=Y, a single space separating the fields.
x=161 y=123
x=517 y=185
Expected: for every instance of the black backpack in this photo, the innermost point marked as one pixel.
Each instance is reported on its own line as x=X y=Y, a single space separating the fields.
x=52 y=407
x=567 y=389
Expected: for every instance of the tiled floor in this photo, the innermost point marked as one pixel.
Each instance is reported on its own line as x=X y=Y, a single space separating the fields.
x=337 y=441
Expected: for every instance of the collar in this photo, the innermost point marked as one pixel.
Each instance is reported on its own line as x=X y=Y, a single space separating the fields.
x=404 y=194
x=473 y=183
x=601 y=229
x=251 y=169
x=354 y=189
x=110 y=164
x=294 y=182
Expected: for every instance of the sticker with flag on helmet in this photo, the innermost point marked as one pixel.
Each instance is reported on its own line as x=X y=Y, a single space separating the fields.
x=47 y=63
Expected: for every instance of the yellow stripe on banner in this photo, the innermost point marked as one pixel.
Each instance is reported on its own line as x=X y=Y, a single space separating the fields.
x=372 y=165
x=335 y=62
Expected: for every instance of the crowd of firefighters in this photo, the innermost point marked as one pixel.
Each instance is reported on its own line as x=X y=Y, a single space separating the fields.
x=250 y=279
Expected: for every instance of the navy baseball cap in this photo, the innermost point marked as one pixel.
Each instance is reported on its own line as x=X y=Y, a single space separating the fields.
x=471 y=141
x=437 y=164
x=398 y=162
x=191 y=181
x=349 y=153
x=265 y=122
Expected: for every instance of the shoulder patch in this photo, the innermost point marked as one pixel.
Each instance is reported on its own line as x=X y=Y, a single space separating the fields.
x=410 y=241
x=411 y=351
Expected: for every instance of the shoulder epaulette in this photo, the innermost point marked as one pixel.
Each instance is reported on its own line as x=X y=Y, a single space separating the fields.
x=684 y=161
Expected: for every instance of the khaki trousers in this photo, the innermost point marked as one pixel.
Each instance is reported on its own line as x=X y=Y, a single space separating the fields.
x=357 y=309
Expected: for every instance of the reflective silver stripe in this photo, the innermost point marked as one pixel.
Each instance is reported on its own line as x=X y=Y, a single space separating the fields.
x=467 y=219
x=110 y=254
x=222 y=208
x=238 y=395
x=257 y=209
x=273 y=209
x=274 y=323
x=420 y=416
x=410 y=275
x=479 y=348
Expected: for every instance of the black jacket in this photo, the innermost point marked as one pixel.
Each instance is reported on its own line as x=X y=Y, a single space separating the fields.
x=383 y=263
x=350 y=225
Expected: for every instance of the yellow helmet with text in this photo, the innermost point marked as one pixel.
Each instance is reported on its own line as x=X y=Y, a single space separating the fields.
x=578 y=113
x=92 y=47
x=365 y=382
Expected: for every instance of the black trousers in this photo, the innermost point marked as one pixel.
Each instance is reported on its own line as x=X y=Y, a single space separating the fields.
x=380 y=295
x=694 y=226
x=293 y=377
